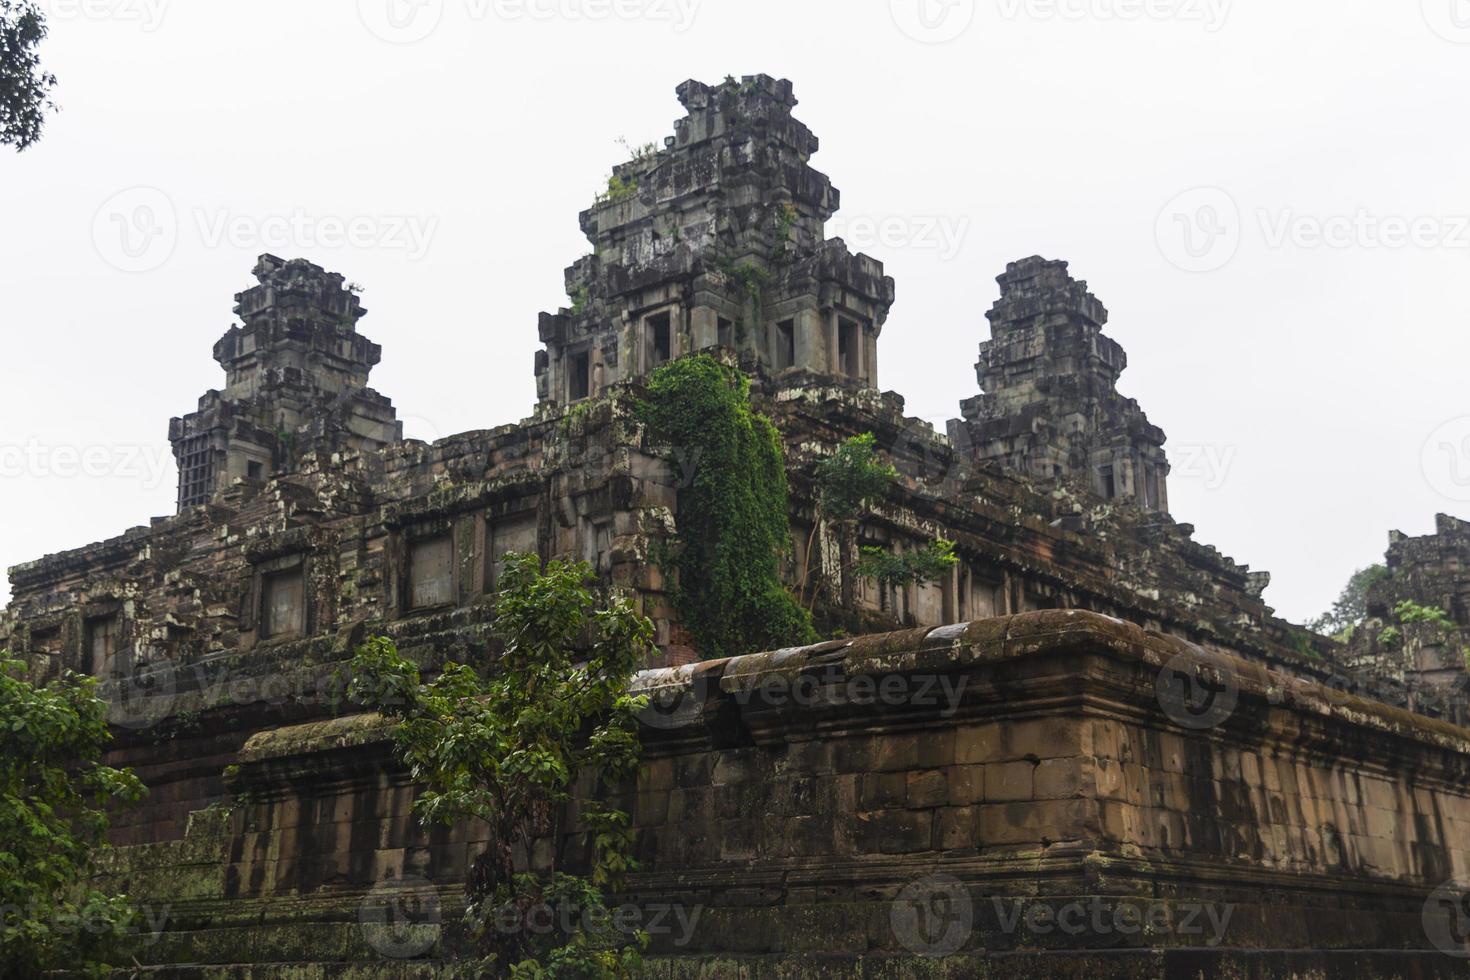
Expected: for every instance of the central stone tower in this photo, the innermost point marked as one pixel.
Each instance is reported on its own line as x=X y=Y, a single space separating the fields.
x=296 y=375
x=716 y=240
x=1050 y=408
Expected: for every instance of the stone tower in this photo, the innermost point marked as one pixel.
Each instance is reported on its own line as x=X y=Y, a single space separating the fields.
x=1050 y=407
x=296 y=374
x=716 y=239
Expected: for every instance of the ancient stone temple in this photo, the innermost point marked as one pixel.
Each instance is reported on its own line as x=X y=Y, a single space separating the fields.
x=296 y=381
x=1091 y=711
x=716 y=239
x=1050 y=407
x=1420 y=656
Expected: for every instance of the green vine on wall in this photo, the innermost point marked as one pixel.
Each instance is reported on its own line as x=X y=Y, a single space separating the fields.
x=733 y=523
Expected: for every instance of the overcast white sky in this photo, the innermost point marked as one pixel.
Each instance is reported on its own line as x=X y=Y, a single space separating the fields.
x=1297 y=326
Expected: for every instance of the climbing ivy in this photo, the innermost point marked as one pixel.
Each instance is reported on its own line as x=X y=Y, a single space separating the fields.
x=850 y=483
x=733 y=523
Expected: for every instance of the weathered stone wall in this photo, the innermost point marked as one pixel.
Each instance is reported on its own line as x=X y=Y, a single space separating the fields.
x=935 y=800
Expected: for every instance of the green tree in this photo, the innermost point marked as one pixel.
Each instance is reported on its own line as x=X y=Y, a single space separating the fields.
x=850 y=483
x=54 y=792
x=507 y=745
x=734 y=524
x=24 y=87
x=1351 y=607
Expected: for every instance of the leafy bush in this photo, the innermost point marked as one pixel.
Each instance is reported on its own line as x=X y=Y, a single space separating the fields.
x=53 y=820
x=507 y=745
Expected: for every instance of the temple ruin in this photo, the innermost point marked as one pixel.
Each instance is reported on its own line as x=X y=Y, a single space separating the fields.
x=1318 y=808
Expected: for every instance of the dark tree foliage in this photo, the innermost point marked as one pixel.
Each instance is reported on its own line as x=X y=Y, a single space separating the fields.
x=53 y=798
x=24 y=87
x=507 y=744
x=1351 y=607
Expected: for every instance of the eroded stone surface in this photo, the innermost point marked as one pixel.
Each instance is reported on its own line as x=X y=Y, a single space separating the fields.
x=1042 y=762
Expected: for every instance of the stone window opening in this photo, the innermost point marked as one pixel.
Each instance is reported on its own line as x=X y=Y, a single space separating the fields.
x=255 y=470
x=103 y=638
x=430 y=573
x=196 y=472
x=660 y=338
x=1107 y=484
x=283 y=604
x=785 y=353
x=725 y=332
x=849 y=347
x=579 y=376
